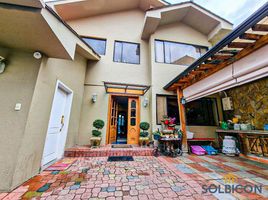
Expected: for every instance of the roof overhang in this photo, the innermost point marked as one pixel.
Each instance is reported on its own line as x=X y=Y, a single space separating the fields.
x=240 y=57
x=188 y=13
x=32 y=26
x=74 y=9
x=125 y=88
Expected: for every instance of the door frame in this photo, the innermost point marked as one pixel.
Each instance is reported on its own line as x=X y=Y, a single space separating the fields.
x=62 y=141
x=109 y=111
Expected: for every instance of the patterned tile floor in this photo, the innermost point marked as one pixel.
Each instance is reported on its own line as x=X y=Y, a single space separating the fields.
x=146 y=178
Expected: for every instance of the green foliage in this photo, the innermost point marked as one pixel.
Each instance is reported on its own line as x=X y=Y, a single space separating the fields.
x=144 y=134
x=96 y=133
x=144 y=126
x=98 y=124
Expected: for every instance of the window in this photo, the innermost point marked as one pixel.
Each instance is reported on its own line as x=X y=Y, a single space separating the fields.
x=99 y=45
x=201 y=112
x=177 y=53
x=126 y=52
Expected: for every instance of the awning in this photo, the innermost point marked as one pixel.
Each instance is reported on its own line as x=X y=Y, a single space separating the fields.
x=237 y=59
x=125 y=88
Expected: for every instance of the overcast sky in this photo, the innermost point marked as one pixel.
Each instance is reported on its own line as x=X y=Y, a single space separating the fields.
x=235 y=11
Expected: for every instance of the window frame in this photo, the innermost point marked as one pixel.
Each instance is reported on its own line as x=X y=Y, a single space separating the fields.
x=96 y=38
x=170 y=95
x=164 y=52
x=139 y=45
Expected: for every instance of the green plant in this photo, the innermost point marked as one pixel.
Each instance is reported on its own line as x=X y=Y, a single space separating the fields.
x=96 y=133
x=98 y=124
x=144 y=127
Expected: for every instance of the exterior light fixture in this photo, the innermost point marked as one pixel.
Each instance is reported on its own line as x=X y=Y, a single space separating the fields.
x=2 y=64
x=145 y=102
x=183 y=101
x=94 y=98
x=37 y=55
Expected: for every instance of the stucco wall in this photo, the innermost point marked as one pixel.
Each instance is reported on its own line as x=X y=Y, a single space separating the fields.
x=16 y=86
x=72 y=74
x=162 y=73
x=122 y=26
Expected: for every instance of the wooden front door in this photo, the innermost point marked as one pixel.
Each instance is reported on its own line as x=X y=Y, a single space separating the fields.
x=113 y=121
x=133 y=132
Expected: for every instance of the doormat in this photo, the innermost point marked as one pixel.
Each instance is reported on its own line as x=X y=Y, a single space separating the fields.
x=120 y=158
x=61 y=165
x=121 y=146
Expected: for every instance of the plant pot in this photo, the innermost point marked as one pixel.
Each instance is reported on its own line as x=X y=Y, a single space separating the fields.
x=95 y=141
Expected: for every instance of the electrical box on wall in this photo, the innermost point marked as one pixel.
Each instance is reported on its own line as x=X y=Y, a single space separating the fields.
x=227 y=103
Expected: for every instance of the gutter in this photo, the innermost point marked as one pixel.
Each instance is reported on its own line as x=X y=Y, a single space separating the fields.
x=242 y=28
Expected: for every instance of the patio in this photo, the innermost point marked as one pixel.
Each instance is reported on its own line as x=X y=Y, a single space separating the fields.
x=145 y=178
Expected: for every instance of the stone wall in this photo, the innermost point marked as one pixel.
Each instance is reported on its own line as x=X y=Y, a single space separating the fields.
x=250 y=102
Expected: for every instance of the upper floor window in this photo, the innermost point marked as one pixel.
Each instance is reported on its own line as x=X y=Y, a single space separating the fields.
x=127 y=52
x=99 y=45
x=177 y=53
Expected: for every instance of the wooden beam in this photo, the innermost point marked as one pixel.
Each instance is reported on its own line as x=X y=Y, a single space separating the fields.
x=260 y=27
x=226 y=51
x=240 y=45
x=182 y=120
x=250 y=49
x=250 y=36
x=207 y=66
x=221 y=57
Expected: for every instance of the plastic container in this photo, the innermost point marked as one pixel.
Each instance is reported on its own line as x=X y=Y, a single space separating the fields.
x=210 y=150
x=265 y=127
x=198 y=150
x=229 y=145
x=190 y=135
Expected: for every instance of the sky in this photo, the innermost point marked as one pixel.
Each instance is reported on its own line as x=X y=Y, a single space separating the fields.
x=235 y=11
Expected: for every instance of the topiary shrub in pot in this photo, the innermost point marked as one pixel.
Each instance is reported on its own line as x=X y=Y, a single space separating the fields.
x=144 y=135
x=96 y=139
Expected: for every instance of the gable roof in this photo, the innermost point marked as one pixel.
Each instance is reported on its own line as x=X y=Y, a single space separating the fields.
x=75 y=9
x=188 y=13
x=50 y=35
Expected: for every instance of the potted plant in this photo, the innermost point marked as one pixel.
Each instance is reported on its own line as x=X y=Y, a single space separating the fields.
x=96 y=133
x=144 y=139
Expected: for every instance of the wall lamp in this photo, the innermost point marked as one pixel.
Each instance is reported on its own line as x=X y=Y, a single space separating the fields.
x=183 y=101
x=94 y=98
x=145 y=102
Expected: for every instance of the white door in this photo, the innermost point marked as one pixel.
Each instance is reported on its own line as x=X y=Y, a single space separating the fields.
x=55 y=134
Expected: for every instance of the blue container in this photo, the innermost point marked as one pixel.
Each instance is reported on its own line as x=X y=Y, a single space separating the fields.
x=265 y=127
x=210 y=150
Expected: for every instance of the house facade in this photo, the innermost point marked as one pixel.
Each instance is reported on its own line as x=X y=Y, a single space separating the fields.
x=104 y=60
x=146 y=31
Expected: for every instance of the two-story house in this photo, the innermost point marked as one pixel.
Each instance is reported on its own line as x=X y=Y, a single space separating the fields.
x=130 y=50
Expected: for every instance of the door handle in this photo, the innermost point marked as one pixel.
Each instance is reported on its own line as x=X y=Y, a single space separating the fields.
x=62 y=122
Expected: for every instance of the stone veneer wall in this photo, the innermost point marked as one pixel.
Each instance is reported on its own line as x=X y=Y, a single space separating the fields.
x=251 y=98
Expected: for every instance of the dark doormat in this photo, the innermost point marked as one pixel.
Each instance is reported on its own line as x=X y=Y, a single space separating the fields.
x=120 y=158
x=121 y=146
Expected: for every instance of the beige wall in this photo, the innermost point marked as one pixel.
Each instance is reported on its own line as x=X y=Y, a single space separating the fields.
x=162 y=73
x=127 y=26
x=16 y=86
x=122 y=26
x=72 y=74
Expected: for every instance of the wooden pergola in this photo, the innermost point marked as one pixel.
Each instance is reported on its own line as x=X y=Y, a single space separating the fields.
x=249 y=36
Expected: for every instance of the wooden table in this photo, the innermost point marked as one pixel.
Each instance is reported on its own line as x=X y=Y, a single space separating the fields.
x=170 y=146
x=251 y=141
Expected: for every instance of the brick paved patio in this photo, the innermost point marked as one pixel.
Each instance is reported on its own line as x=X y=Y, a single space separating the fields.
x=144 y=178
